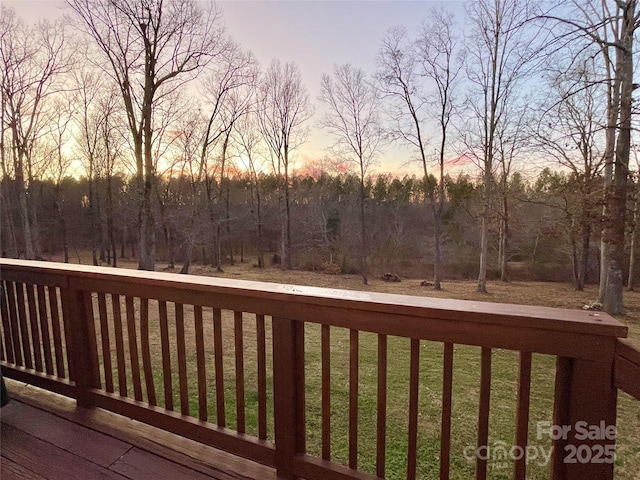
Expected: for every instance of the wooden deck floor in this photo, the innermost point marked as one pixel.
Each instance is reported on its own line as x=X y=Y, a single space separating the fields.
x=44 y=436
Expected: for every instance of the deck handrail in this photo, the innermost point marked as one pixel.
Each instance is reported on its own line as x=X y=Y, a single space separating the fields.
x=592 y=361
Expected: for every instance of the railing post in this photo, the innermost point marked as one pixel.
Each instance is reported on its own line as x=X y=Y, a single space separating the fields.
x=288 y=387
x=83 y=369
x=584 y=420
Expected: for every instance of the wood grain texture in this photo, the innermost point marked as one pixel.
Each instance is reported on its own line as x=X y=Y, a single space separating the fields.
x=238 y=337
x=134 y=359
x=119 y=339
x=57 y=329
x=166 y=355
x=445 y=422
x=261 y=348
x=483 y=411
x=43 y=317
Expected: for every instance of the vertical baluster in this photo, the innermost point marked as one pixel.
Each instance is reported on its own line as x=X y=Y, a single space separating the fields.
x=414 y=374
x=6 y=325
x=219 y=369
x=483 y=413
x=35 y=330
x=325 y=339
x=288 y=369
x=24 y=329
x=106 y=344
x=117 y=328
x=182 y=360
x=92 y=340
x=57 y=331
x=166 y=356
x=44 y=328
x=200 y=362
x=13 y=319
x=382 y=407
x=239 y=354
x=522 y=415
x=353 y=399
x=146 y=352
x=262 y=376
x=133 y=348
x=445 y=426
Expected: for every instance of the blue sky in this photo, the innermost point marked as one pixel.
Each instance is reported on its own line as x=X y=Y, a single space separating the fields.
x=315 y=34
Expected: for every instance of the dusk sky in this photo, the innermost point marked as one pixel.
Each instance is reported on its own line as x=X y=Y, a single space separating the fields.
x=315 y=34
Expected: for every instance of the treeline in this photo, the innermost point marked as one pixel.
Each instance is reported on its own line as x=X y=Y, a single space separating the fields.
x=552 y=226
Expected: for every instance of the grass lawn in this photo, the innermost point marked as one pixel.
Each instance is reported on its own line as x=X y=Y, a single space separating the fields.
x=466 y=379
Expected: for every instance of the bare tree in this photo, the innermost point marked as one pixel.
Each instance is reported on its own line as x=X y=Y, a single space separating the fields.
x=149 y=49
x=611 y=27
x=500 y=51
x=441 y=62
x=283 y=110
x=352 y=117
x=33 y=58
x=572 y=132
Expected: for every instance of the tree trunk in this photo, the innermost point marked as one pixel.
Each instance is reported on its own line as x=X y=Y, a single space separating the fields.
x=632 y=243
x=504 y=243
x=616 y=194
x=363 y=237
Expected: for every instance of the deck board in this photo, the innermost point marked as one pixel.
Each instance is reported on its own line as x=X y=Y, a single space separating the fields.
x=143 y=465
x=47 y=460
x=88 y=444
x=101 y=444
x=12 y=470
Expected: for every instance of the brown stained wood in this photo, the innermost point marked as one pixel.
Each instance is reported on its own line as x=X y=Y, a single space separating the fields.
x=183 y=450
x=89 y=444
x=7 y=338
x=224 y=293
x=414 y=378
x=561 y=415
x=44 y=328
x=182 y=360
x=57 y=331
x=262 y=376
x=301 y=408
x=445 y=424
x=15 y=471
x=589 y=397
x=146 y=352
x=312 y=468
x=142 y=465
x=325 y=340
x=166 y=355
x=106 y=345
x=285 y=403
x=353 y=398
x=200 y=363
x=35 y=330
x=49 y=460
x=244 y=445
x=483 y=412
x=627 y=368
x=522 y=415
x=118 y=334
x=41 y=380
x=93 y=363
x=133 y=348
x=381 y=429
x=239 y=356
x=218 y=358
x=24 y=329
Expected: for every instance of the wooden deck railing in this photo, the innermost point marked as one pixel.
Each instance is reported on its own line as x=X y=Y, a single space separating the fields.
x=164 y=349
